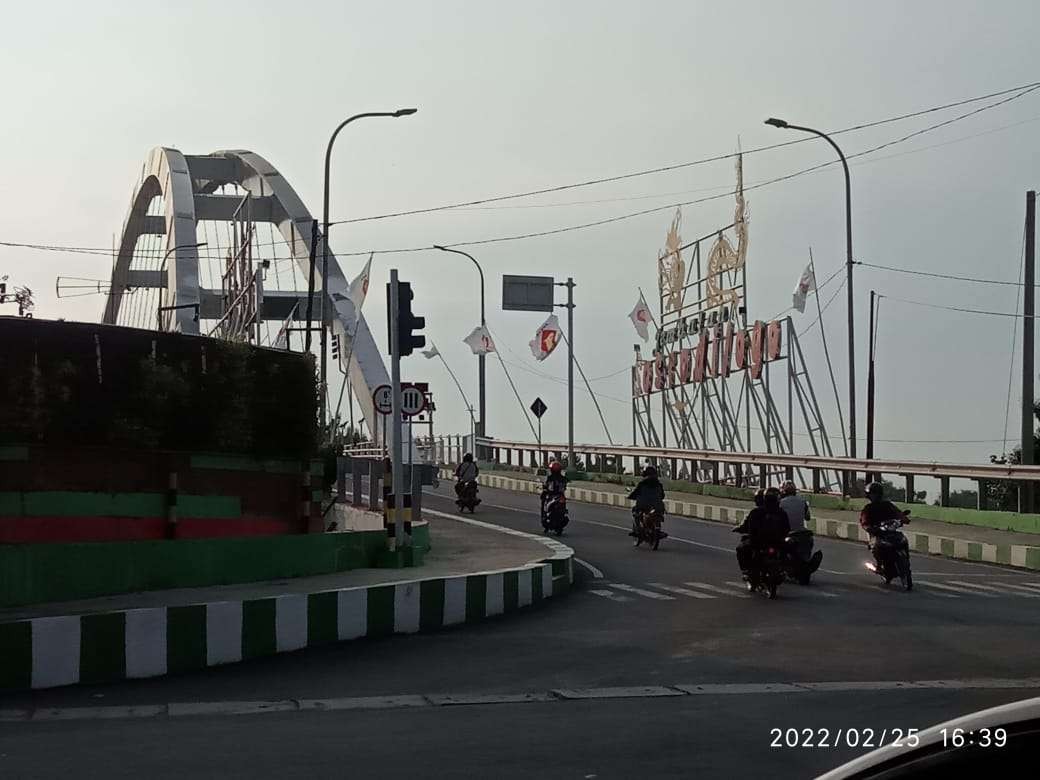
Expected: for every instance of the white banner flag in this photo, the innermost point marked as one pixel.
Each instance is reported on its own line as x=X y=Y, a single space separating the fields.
x=281 y=341
x=805 y=285
x=546 y=338
x=359 y=287
x=480 y=341
x=432 y=352
x=641 y=318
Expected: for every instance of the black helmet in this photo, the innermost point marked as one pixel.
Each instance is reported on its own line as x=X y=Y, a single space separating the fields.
x=772 y=496
x=467 y=458
x=760 y=497
x=788 y=488
x=649 y=472
x=875 y=491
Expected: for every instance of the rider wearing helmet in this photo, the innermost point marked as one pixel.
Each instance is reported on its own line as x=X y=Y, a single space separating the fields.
x=878 y=510
x=875 y=513
x=795 y=507
x=555 y=484
x=765 y=525
x=466 y=471
x=648 y=494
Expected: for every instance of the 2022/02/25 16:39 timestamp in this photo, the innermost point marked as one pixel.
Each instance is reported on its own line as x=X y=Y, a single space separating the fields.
x=981 y=737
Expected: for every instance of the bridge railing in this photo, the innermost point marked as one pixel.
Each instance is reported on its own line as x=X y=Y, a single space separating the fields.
x=755 y=468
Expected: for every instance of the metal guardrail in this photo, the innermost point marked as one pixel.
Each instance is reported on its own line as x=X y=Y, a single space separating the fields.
x=995 y=471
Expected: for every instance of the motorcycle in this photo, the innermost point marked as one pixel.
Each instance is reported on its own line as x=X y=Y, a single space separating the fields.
x=892 y=552
x=554 y=514
x=648 y=528
x=768 y=568
x=468 y=497
x=801 y=560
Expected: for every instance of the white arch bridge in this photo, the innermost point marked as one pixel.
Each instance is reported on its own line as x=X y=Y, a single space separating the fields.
x=237 y=285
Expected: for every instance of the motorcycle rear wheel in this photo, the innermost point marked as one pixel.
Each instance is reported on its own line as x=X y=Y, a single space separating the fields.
x=905 y=576
x=772 y=590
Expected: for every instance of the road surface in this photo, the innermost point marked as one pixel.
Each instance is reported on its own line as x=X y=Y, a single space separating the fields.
x=657 y=664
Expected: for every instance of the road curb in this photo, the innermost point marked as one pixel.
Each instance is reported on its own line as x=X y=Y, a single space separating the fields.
x=135 y=643
x=1016 y=555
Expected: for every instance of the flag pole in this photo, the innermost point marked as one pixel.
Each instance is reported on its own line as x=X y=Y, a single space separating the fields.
x=592 y=396
x=827 y=354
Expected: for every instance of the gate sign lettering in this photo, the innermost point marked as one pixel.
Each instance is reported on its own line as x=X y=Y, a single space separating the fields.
x=720 y=350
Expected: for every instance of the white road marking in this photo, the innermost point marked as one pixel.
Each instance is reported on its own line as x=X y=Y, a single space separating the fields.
x=1001 y=590
x=647 y=593
x=609 y=594
x=807 y=590
x=682 y=591
x=1022 y=588
x=596 y=573
x=717 y=589
x=955 y=589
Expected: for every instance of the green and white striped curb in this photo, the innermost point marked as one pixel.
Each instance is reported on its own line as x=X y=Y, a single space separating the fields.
x=135 y=643
x=1021 y=556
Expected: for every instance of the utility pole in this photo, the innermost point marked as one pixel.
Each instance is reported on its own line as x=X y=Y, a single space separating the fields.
x=569 y=284
x=397 y=468
x=1028 y=332
x=310 y=299
x=870 y=388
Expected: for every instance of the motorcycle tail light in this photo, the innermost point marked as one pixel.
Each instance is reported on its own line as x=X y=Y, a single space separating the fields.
x=772 y=551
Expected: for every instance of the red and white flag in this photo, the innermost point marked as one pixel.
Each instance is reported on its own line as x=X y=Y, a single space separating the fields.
x=480 y=341
x=546 y=338
x=359 y=287
x=641 y=318
x=805 y=285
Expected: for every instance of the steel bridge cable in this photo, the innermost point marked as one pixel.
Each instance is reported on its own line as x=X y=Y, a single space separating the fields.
x=590 y=182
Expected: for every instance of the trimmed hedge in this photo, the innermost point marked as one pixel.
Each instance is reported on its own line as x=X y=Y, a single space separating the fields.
x=72 y=383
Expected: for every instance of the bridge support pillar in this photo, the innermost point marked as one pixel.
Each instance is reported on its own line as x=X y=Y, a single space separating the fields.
x=944 y=491
x=909 y=488
x=815 y=480
x=714 y=472
x=375 y=477
x=980 y=500
x=762 y=476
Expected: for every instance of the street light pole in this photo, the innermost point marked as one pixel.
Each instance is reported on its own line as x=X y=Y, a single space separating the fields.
x=162 y=295
x=481 y=359
x=848 y=272
x=325 y=249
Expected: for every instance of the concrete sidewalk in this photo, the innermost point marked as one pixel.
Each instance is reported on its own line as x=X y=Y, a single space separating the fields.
x=474 y=570
x=953 y=540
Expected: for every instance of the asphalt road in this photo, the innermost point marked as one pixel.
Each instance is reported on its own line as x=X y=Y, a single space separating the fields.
x=635 y=619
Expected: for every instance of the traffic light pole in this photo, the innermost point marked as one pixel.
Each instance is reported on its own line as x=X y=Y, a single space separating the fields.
x=397 y=475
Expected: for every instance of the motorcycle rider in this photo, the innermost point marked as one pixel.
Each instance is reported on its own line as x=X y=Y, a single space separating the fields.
x=648 y=495
x=765 y=525
x=466 y=471
x=796 y=507
x=875 y=513
x=555 y=484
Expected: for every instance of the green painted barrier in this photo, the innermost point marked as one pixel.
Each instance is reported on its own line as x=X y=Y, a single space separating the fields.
x=34 y=573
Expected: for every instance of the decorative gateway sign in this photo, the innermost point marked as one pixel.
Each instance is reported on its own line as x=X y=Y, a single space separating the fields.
x=719 y=351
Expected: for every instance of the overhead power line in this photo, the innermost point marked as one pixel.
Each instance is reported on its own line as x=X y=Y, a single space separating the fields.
x=954 y=277
x=679 y=166
x=1018 y=93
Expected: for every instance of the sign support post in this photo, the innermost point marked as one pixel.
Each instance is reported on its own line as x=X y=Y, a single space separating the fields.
x=396 y=466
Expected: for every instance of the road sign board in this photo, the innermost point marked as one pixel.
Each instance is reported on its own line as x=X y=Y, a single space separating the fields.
x=527 y=293
x=539 y=408
x=413 y=400
x=383 y=398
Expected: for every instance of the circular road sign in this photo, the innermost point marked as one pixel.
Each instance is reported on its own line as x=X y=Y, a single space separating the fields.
x=413 y=401
x=383 y=398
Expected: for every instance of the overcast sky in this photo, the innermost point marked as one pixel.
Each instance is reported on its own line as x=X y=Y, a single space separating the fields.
x=517 y=96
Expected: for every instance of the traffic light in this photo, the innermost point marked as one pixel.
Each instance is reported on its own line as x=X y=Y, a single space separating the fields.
x=407 y=323
x=335 y=346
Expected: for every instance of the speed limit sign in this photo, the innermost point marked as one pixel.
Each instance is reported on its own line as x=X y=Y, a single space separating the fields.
x=383 y=398
x=413 y=401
